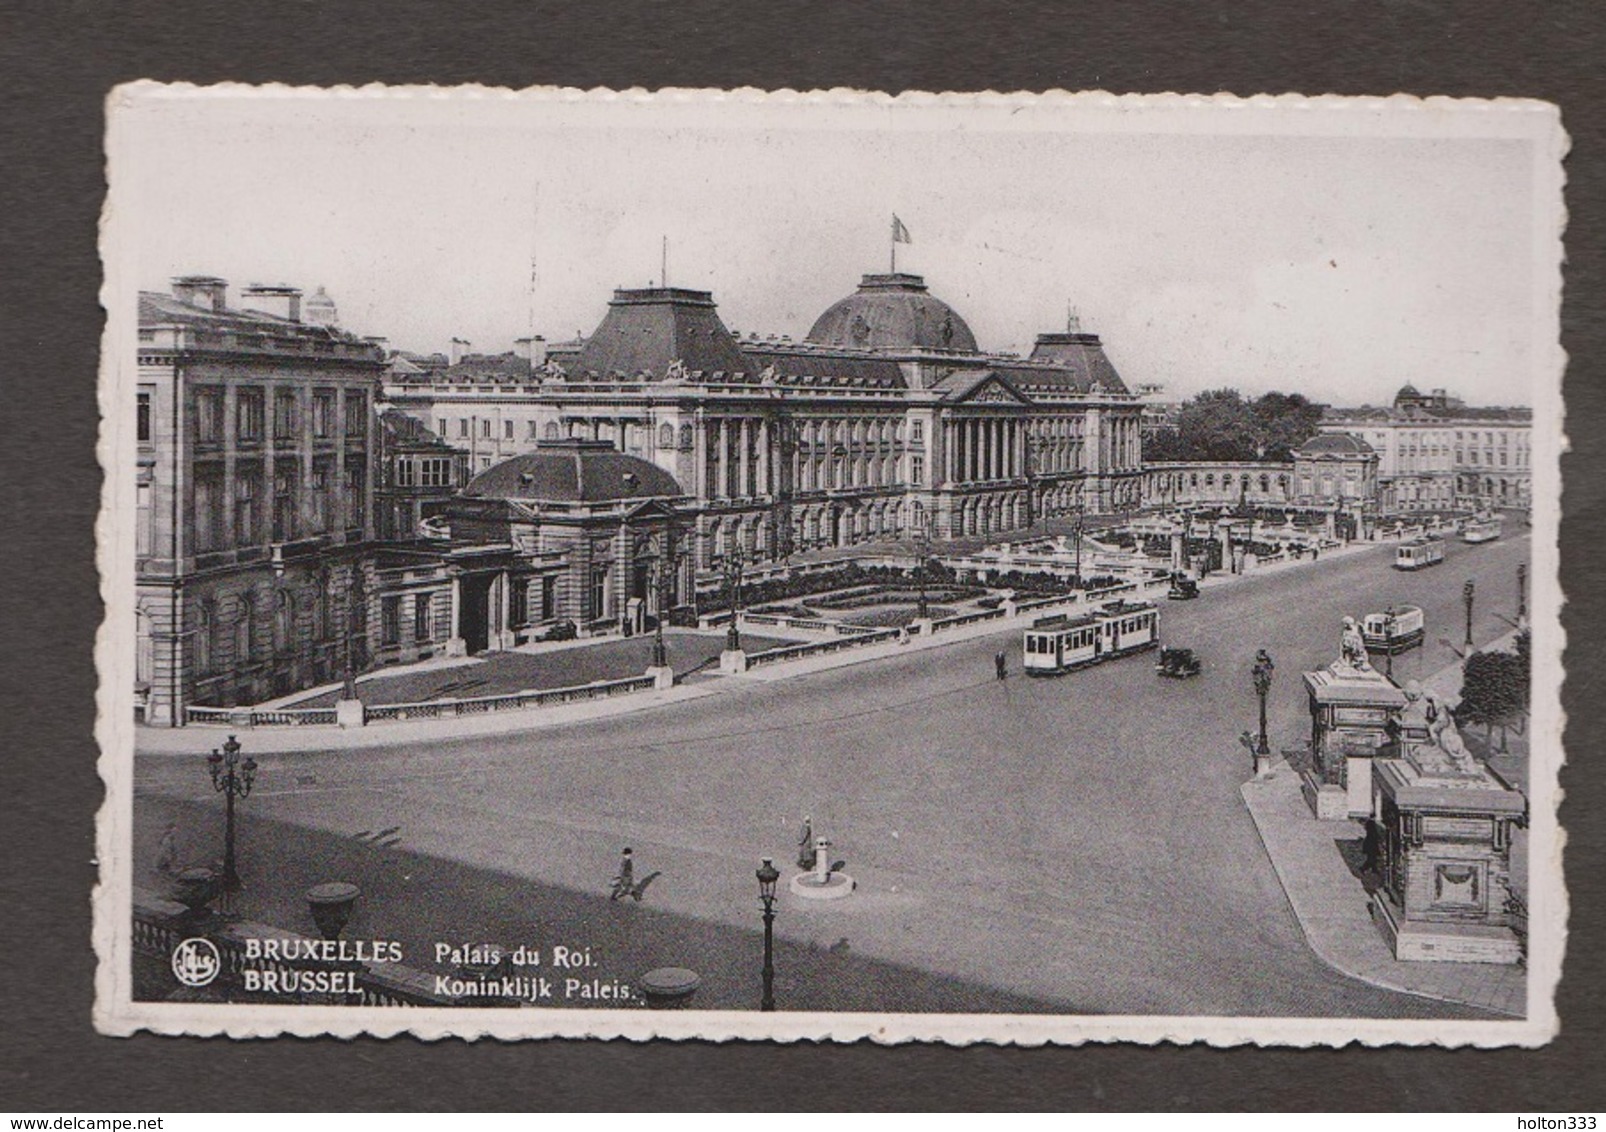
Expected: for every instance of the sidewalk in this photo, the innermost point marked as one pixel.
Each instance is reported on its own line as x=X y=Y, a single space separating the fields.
x=1333 y=907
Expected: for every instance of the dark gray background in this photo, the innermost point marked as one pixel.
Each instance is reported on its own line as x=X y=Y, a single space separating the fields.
x=57 y=60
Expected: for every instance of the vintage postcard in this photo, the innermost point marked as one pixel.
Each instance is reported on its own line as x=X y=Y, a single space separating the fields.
x=1006 y=568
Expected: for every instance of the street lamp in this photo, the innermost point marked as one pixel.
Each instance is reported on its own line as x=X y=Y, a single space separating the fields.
x=1262 y=676
x=655 y=579
x=349 y=679
x=1467 y=593
x=231 y=778
x=1388 y=645
x=1522 y=591
x=922 y=552
x=733 y=581
x=768 y=874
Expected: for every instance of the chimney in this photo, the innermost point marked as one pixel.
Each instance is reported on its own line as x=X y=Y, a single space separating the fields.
x=532 y=350
x=277 y=300
x=207 y=292
x=459 y=349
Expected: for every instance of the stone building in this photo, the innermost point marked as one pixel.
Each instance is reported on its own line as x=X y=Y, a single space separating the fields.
x=1207 y=483
x=417 y=473
x=1335 y=469
x=254 y=496
x=886 y=419
x=574 y=531
x=1437 y=453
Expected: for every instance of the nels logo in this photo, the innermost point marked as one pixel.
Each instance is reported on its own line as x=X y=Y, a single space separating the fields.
x=196 y=962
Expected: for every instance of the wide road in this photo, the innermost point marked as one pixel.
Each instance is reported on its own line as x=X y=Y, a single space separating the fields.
x=1074 y=844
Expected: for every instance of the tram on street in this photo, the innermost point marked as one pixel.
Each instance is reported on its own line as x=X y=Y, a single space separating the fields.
x=1481 y=528
x=1419 y=553
x=1399 y=628
x=1065 y=642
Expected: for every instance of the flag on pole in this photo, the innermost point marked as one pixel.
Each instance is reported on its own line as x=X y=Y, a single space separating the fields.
x=900 y=234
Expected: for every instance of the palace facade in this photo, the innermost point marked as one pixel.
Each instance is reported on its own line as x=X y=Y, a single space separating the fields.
x=254 y=496
x=888 y=419
x=1437 y=453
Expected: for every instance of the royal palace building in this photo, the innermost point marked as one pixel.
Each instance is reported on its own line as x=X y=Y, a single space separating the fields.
x=1437 y=453
x=254 y=496
x=886 y=420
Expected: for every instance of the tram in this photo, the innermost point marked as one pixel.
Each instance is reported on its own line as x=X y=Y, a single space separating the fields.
x=1419 y=553
x=1481 y=528
x=1065 y=642
x=1401 y=627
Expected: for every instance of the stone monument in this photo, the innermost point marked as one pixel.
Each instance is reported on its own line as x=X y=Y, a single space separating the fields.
x=1444 y=825
x=826 y=881
x=1352 y=707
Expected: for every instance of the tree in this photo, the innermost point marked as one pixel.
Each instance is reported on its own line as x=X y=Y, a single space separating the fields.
x=1494 y=691
x=1219 y=425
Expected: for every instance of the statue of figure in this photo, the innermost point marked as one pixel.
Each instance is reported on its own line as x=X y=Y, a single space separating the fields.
x=676 y=371
x=1352 y=646
x=1445 y=735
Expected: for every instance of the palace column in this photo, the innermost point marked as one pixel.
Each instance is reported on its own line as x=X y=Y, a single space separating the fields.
x=744 y=457
x=949 y=447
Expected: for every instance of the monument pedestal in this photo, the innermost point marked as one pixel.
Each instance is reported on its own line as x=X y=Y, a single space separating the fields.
x=1351 y=710
x=663 y=677
x=1446 y=824
x=350 y=713
x=457 y=646
x=733 y=662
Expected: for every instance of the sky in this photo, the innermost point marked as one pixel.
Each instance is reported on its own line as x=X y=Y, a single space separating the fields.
x=1335 y=255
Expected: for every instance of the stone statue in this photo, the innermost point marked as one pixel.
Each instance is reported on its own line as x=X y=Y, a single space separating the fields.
x=1352 y=647
x=1445 y=735
x=676 y=372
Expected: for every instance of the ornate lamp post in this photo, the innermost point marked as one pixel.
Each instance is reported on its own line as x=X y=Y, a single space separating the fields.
x=349 y=677
x=1468 y=591
x=655 y=579
x=768 y=874
x=231 y=778
x=1388 y=650
x=922 y=554
x=1522 y=591
x=1262 y=677
x=733 y=581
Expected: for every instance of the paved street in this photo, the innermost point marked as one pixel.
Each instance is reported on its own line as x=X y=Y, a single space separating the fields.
x=1066 y=844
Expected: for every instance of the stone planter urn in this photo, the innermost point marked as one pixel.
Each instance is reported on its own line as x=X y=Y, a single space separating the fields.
x=331 y=905
x=195 y=888
x=669 y=988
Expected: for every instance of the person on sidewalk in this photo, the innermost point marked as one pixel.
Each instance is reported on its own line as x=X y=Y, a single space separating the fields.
x=1001 y=663
x=624 y=881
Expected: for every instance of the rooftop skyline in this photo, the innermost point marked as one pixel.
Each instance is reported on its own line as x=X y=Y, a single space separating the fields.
x=1321 y=263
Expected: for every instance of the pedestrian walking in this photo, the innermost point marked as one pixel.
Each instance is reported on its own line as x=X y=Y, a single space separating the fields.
x=1001 y=663
x=805 y=844
x=624 y=882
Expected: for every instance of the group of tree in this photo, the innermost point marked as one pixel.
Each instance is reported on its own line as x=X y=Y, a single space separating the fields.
x=1219 y=424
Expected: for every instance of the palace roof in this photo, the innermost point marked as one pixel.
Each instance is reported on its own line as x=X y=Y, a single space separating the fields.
x=893 y=312
x=573 y=471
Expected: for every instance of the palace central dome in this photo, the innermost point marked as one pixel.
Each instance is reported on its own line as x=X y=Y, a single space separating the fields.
x=893 y=312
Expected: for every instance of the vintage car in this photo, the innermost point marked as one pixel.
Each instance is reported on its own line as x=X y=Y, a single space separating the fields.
x=1177 y=663
x=1183 y=588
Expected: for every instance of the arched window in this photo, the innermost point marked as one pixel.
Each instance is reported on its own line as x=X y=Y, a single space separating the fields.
x=144 y=657
x=666 y=436
x=244 y=638
x=284 y=616
x=550 y=431
x=205 y=637
x=685 y=438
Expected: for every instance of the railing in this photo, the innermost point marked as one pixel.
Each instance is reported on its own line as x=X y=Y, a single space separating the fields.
x=259 y=717
x=819 y=648
x=158 y=926
x=959 y=619
x=514 y=701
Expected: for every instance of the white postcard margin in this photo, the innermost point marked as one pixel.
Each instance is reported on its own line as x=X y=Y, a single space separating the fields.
x=1400 y=115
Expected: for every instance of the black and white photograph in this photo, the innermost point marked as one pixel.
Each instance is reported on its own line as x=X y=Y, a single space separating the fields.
x=736 y=565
